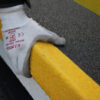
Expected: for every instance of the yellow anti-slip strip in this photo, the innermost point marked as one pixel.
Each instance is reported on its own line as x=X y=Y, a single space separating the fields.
x=1 y=37
x=93 y=5
x=60 y=77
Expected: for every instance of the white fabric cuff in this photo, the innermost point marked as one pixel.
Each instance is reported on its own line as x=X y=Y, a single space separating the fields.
x=13 y=17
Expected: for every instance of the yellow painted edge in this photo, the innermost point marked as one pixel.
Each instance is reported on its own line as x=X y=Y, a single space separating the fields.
x=59 y=76
x=1 y=37
x=93 y=5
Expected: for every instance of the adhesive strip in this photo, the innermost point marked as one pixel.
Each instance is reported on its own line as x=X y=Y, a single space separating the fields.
x=93 y=5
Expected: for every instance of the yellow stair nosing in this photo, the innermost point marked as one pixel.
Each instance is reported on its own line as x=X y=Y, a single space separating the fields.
x=60 y=77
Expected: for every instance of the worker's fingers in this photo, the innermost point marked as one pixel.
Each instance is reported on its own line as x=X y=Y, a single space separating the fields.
x=46 y=35
x=57 y=39
x=52 y=37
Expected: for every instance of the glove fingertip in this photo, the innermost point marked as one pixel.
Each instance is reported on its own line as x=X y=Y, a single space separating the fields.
x=60 y=41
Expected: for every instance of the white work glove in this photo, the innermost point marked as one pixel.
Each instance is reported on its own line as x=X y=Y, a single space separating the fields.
x=20 y=33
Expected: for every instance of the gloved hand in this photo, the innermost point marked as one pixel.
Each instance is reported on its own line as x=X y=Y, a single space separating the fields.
x=20 y=33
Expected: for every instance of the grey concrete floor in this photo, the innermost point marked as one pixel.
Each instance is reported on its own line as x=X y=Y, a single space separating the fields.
x=78 y=25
